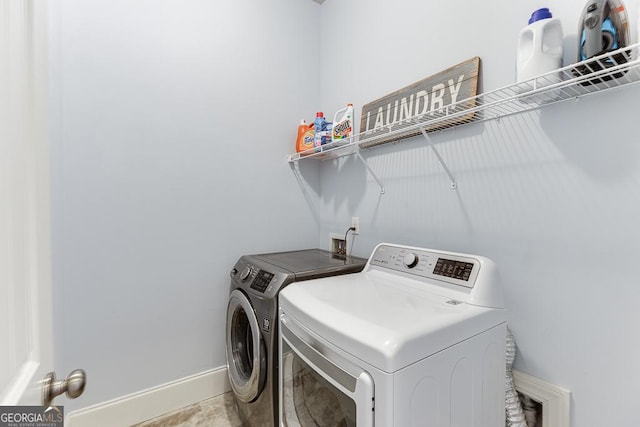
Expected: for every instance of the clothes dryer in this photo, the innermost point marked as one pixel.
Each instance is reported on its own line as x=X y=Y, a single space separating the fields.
x=252 y=324
x=417 y=338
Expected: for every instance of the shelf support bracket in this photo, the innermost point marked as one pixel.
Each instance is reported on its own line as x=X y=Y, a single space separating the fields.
x=364 y=162
x=454 y=185
x=298 y=175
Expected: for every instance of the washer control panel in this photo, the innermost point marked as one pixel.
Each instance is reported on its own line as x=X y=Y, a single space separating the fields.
x=256 y=278
x=261 y=281
x=448 y=267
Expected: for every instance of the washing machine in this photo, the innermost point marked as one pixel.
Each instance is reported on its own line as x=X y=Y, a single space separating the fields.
x=417 y=338
x=252 y=322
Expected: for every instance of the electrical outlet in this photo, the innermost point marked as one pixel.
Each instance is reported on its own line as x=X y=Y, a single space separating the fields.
x=355 y=223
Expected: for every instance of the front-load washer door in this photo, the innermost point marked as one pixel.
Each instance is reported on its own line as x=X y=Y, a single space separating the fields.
x=246 y=356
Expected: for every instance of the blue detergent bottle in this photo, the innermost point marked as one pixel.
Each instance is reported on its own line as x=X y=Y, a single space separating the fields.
x=319 y=125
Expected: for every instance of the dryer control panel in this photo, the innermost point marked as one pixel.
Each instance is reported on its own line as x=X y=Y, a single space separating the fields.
x=457 y=269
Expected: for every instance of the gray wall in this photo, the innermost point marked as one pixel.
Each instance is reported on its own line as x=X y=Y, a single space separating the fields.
x=552 y=196
x=172 y=121
x=171 y=125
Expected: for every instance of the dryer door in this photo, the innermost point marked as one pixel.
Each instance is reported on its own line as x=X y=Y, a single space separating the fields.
x=319 y=387
x=246 y=357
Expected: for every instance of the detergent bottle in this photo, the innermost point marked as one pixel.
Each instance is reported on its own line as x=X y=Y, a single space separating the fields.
x=305 y=137
x=540 y=48
x=343 y=124
x=320 y=133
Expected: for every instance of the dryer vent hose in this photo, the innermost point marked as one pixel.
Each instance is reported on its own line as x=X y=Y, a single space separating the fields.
x=513 y=407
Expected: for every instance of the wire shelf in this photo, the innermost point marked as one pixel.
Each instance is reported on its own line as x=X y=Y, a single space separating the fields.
x=607 y=71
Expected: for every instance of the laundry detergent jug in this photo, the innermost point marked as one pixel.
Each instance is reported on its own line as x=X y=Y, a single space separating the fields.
x=343 y=124
x=539 y=51
x=304 y=141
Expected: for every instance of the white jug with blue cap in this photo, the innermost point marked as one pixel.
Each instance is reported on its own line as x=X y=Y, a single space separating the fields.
x=539 y=50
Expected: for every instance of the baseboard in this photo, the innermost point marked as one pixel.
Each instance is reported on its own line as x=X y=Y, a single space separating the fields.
x=150 y=403
x=555 y=400
x=146 y=404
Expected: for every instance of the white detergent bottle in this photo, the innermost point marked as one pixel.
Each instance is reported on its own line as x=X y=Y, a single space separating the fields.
x=342 y=125
x=539 y=51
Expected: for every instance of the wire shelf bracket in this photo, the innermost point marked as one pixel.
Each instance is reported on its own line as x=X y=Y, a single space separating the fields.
x=454 y=184
x=366 y=165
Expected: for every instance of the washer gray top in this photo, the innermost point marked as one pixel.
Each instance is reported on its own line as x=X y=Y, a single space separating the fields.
x=309 y=264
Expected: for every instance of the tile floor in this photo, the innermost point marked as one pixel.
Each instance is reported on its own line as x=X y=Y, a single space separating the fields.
x=219 y=411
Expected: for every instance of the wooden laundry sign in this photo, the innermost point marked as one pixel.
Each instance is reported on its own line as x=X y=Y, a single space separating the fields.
x=428 y=99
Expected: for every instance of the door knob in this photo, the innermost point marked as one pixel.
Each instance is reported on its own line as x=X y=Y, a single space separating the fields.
x=73 y=385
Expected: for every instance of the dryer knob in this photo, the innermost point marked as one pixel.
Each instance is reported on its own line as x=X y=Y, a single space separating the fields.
x=410 y=260
x=246 y=272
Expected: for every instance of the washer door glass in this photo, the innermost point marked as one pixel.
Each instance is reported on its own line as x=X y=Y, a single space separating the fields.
x=246 y=360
